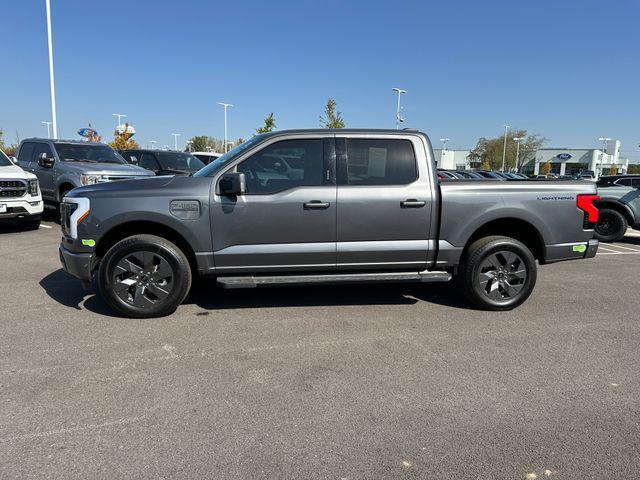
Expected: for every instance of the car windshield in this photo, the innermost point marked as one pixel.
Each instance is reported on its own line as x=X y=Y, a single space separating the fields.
x=74 y=152
x=184 y=162
x=217 y=164
x=4 y=160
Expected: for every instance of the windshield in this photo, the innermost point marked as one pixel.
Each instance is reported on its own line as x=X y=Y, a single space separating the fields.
x=74 y=152
x=4 y=160
x=185 y=162
x=217 y=164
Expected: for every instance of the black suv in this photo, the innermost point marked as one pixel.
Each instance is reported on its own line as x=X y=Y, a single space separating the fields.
x=164 y=162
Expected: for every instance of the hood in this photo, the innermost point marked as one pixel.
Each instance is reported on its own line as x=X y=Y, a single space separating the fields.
x=14 y=171
x=107 y=168
x=122 y=186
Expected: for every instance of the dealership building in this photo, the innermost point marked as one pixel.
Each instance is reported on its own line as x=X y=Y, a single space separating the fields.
x=563 y=161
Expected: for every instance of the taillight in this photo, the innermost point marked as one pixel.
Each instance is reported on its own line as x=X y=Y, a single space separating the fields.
x=585 y=203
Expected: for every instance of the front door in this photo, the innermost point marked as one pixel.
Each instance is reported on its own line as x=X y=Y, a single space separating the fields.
x=287 y=217
x=385 y=202
x=46 y=175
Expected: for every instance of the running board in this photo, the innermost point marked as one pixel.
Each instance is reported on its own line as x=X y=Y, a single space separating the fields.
x=275 y=280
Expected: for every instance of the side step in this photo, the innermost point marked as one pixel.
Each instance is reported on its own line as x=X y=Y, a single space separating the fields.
x=274 y=280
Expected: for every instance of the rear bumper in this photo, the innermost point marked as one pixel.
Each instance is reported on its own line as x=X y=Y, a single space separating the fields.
x=77 y=264
x=570 y=251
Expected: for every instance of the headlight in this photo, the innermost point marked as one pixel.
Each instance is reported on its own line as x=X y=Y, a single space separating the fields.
x=90 y=179
x=73 y=211
x=33 y=188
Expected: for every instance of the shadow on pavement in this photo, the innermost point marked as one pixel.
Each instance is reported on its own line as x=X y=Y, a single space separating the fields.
x=630 y=240
x=66 y=290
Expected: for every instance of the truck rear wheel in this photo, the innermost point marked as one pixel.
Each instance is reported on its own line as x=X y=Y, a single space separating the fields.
x=498 y=273
x=611 y=225
x=144 y=276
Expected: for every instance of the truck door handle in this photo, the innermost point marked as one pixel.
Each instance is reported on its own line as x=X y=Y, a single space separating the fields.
x=315 y=205
x=413 y=203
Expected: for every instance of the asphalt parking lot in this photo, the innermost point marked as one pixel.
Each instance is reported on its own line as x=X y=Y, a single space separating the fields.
x=390 y=381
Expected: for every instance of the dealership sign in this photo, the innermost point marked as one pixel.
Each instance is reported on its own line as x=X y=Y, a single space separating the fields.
x=564 y=156
x=87 y=132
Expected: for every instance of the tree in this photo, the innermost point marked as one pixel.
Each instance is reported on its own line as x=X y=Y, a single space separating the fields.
x=489 y=150
x=613 y=170
x=9 y=150
x=485 y=165
x=332 y=118
x=123 y=141
x=545 y=168
x=269 y=125
x=634 y=168
x=204 y=143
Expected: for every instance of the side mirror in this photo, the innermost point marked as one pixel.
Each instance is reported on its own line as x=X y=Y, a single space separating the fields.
x=14 y=160
x=232 y=184
x=45 y=161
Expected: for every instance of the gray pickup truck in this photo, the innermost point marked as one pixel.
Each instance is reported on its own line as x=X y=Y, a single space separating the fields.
x=62 y=165
x=322 y=206
x=619 y=206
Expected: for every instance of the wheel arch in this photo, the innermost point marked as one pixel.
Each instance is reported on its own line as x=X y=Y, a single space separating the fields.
x=145 y=227
x=618 y=207
x=516 y=228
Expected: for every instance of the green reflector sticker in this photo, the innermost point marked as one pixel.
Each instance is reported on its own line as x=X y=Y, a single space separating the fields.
x=92 y=243
x=580 y=248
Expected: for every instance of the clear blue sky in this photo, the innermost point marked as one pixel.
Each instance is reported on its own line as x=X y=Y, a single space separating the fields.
x=567 y=69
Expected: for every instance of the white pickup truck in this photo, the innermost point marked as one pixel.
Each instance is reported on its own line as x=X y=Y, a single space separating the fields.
x=20 y=198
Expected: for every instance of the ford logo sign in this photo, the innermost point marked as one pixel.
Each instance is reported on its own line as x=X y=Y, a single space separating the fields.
x=564 y=156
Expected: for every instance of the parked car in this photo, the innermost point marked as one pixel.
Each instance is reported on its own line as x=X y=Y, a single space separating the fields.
x=163 y=162
x=367 y=208
x=619 y=180
x=468 y=174
x=446 y=175
x=489 y=175
x=207 y=157
x=20 y=199
x=62 y=165
x=619 y=207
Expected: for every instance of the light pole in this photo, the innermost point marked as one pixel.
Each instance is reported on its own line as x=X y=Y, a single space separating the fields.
x=175 y=140
x=152 y=143
x=52 y=82
x=226 y=106
x=444 y=150
x=399 y=119
x=517 y=140
x=48 y=124
x=118 y=116
x=604 y=141
x=189 y=142
x=504 y=148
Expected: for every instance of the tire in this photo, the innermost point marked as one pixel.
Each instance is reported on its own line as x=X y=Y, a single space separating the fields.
x=611 y=227
x=498 y=273
x=138 y=292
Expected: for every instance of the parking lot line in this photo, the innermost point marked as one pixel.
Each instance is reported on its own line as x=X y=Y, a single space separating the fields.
x=617 y=245
x=42 y=225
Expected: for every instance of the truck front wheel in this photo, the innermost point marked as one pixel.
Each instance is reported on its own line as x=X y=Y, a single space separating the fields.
x=144 y=276
x=498 y=273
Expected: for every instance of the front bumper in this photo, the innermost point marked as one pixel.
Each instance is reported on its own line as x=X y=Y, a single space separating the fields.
x=79 y=265
x=23 y=209
x=571 y=251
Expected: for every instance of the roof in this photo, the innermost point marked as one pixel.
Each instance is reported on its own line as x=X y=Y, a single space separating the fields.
x=61 y=140
x=345 y=130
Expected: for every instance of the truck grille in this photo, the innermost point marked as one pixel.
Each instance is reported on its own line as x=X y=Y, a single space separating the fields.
x=115 y=178
x=12 y=188
x=66 y=210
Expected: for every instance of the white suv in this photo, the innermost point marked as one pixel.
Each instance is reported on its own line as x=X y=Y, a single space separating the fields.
x=20 y=197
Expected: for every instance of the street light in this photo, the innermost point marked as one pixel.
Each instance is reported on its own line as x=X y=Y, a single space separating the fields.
x=152 y=143
x=444 y=143
x=399 y=119
x=52 y=82
x=119 y=116
x=504 y=148
x=517 y=140
x=175 y=140
x=226 y=106
x=48 y=124
x=604 y=141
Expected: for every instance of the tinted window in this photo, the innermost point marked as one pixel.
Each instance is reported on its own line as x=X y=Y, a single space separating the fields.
x=26 y=152
x=148 y=161
x=40 y=149
x=221 y=161
x=284 y=165
x=184 y=162
x=4 y=160
x=635 y=183
x=380 y=162
x=624 y=181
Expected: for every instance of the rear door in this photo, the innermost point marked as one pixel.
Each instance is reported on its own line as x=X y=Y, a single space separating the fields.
x=385 y=202
x=287 y=217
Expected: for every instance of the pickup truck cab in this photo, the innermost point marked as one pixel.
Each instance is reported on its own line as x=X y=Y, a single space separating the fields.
x=322 y=206
x=62 y=165
x=20 y=199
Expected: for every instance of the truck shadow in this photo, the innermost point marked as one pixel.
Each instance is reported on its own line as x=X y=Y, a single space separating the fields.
x=66 y=290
